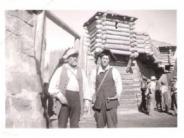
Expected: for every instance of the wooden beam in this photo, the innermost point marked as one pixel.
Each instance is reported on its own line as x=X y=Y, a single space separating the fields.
x=62 y=24
x=39 y=36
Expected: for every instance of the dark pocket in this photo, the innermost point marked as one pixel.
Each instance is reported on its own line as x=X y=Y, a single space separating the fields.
x=97 y=104
x=111 y=104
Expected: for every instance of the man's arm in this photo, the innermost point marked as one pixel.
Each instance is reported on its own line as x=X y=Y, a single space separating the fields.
x=86 y=91
x=118 y=83
x=92 y=84
x=54 y=86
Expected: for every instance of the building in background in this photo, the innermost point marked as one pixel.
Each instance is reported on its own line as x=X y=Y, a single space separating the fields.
x=35 y=42
x=137 y=54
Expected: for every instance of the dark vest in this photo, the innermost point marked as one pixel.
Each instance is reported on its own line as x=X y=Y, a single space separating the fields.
x=64 y=81
x=107 y=90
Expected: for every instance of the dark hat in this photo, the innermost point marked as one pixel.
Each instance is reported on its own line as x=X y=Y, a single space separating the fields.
x=109 y=53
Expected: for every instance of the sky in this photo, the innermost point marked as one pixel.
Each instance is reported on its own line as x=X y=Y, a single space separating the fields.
x=159 y=24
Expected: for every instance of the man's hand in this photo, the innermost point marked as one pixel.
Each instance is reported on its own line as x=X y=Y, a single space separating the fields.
x=62 y=98
x=93 y=99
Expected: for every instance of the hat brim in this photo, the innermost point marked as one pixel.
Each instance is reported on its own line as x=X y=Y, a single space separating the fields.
x=71 y=53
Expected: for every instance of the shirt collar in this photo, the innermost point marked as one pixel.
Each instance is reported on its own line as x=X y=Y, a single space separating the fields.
x=100 y=69
x=69 y=67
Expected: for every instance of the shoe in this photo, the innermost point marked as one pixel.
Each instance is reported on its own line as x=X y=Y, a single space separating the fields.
x=53 y=117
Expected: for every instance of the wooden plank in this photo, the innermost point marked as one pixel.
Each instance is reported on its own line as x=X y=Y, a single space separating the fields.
x=121 y=22
x=111 y=37
x=117 y=33
x=115 y=47
x=116 y=37
x=94 y=23
x=117 y=42
x=96 y=41
x=39 y=36
x=119 y=25
x=62 y=24
x=108 y=27
x=111 y=31
x=119 y=29
x=94 y=32
x=95 y=28
x=110 y=23
x=120 y=52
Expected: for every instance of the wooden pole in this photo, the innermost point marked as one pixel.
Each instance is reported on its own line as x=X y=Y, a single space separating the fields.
x=62 y=24
x=39 y=36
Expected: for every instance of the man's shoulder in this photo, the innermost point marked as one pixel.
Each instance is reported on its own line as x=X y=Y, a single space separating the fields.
x=114 y=69
x=59 y=68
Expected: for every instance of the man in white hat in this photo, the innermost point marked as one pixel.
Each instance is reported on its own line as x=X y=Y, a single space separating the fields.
x=69 y=85
x=151 y=92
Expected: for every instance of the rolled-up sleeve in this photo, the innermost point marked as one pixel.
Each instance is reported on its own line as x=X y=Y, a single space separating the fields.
x=118 y=81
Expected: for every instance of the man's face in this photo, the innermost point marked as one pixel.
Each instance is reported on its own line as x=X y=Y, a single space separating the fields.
x=73 y=60
x=105 y=61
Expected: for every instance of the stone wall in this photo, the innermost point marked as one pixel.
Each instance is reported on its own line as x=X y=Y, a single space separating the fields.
x=23 y=81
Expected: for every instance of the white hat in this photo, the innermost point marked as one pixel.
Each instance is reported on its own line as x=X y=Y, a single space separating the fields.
x=70 y=52
x=153 y=78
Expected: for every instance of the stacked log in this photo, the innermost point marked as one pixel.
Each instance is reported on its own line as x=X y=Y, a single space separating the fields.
x=167 y=56
x=144 y=45
x=111 y=31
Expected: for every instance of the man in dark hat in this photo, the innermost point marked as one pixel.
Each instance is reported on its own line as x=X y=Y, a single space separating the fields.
x=106 y=88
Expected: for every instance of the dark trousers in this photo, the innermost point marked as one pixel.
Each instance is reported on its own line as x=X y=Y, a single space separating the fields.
x=174 y=101
x=142 y=106
x=165 y=101
x=158 y=98
x=105 y=117
x=71 y=111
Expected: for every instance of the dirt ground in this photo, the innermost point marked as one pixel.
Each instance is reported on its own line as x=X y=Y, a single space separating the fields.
x=137 y=119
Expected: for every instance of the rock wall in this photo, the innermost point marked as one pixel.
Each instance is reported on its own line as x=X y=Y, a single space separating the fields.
x=23 y=82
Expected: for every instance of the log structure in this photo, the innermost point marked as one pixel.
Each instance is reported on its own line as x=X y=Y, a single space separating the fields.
x=110 y=31
x=136 y=53
x=167 y=54
x=116 y=33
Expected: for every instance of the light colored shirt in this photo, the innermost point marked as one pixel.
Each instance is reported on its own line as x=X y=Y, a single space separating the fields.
x=164 y=89
x=152 y=86
x=116 y=77
x=73 y=84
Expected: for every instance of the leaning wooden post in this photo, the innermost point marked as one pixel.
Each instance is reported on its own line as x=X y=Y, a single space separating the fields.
x=39 y=35
x=86 y=45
